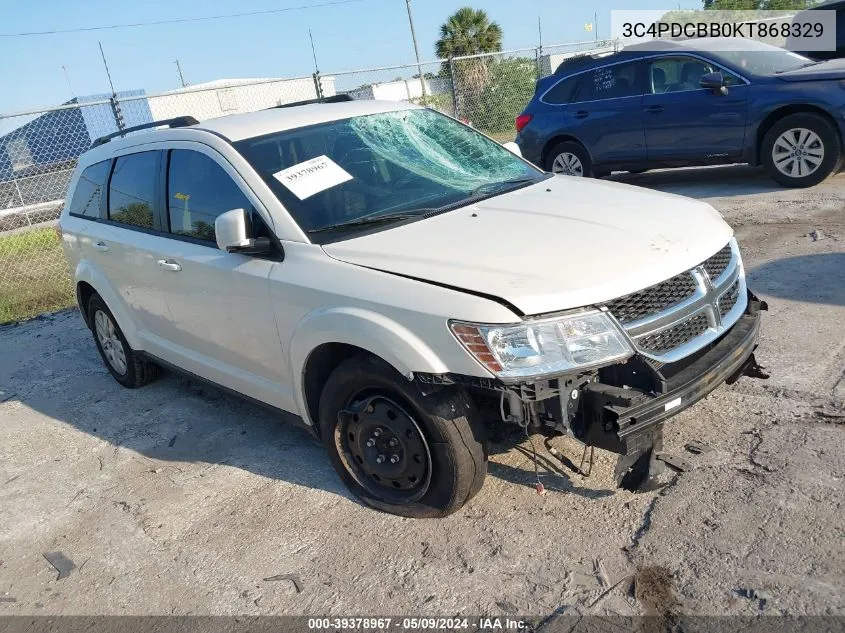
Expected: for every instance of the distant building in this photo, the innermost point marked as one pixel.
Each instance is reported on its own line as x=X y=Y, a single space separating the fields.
x=37 y=158
x=233 y=96
x=401 y=89
x=549 y=63
x=53 y=138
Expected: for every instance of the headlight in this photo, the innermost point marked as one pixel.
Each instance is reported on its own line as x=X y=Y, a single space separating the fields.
x=534 y=349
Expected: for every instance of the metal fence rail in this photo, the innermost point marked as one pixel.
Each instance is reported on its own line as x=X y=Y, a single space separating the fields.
x=39 y=148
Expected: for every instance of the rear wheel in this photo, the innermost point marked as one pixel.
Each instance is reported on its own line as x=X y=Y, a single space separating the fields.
x=396 y=449
x=123 y=363
x=801 y=150
x=570 y=159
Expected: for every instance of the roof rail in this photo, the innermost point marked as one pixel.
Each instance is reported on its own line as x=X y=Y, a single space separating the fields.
x=179 y=121
x=332 y=99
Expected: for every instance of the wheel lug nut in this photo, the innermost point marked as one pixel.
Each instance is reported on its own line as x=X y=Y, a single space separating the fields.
x=394 y=459
x=380 y=459
x=371 y=442
x=377 y=432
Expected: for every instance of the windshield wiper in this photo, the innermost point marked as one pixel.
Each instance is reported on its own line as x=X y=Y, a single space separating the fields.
x=514 y=181
x=368 y=221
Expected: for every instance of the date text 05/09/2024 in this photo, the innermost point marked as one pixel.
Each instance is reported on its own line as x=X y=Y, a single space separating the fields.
x=417 y=624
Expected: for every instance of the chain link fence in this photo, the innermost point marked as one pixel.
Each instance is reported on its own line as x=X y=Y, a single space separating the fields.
x=39 y=148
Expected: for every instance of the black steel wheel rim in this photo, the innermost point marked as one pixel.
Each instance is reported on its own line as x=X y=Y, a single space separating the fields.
x=383 y=448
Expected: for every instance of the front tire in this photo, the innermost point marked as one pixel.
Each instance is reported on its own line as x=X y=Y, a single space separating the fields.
x=570 y=159
x=123 y=363
x=396 y=449
x=801 y=150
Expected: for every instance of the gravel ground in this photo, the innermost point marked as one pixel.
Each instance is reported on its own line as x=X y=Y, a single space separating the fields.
x=178 y=499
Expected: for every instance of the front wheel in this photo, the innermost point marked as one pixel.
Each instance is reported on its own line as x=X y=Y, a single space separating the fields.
x=570 y=159
x=396 y=449
x=801 y=150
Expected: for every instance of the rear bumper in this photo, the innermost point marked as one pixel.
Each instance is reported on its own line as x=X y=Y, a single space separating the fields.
x=624 y=421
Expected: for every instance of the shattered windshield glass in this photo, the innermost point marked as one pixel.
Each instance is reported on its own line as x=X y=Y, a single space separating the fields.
x=381 y=167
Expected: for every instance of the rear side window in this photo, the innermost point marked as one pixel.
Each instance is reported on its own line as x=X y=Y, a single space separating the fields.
x=562 y=92
x=608 y=82
x=199 y=190
x=89 y=190
x=132 y=190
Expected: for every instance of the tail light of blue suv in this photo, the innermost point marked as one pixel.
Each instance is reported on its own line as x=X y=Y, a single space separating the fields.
x=522 y=120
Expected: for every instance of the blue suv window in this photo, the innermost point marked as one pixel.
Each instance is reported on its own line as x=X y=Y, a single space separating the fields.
x=680 y=74
x=608 y=82
x=562 y=92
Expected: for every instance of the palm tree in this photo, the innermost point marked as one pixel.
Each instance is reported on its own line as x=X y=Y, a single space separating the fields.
x=468 y=32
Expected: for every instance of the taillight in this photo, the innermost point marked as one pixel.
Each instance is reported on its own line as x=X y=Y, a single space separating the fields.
x=522 y=120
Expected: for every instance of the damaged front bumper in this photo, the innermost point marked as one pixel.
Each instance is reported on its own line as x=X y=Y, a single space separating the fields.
x=621 y=420
x=621 y=408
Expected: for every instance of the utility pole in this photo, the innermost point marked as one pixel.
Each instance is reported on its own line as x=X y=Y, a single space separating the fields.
x=416 y=49
x=115 y=104
x=179 y=68
x=314 y=52
x=67 y=78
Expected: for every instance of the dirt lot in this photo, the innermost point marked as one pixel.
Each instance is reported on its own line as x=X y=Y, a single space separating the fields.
x=177 y=499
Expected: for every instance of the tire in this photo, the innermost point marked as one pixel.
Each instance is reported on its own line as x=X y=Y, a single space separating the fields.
x=557 y=158
x=134 y=371
x=822 y=150
x=366 y=408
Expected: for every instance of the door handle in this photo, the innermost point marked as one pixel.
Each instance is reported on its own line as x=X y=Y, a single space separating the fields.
x=582 y=114
x=169 y=264
x=101 y=246
x=655 y=109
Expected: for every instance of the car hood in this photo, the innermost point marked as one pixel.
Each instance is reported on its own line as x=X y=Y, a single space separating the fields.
x=563 y=243
x=832 y=69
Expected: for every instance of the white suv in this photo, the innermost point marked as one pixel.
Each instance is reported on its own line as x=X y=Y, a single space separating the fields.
x=393 y=278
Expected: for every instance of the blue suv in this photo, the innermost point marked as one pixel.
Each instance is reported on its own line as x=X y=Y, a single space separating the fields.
x=692 y=102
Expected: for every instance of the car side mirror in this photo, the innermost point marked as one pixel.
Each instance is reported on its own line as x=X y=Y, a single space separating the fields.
x=513 y=148
x=715 y=82
x=233 y=230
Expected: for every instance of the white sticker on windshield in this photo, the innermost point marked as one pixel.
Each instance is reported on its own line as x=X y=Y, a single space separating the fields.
x=312 y=176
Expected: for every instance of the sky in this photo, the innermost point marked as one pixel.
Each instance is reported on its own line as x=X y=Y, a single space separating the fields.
x=361 y=34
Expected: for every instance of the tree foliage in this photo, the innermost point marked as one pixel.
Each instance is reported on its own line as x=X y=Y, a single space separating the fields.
x=758 y=5
x=468 y=32
x=508 y=88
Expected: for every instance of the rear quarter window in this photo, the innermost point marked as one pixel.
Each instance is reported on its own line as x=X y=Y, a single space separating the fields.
x=89 y=190
x=132 y=190
x=562 y=92
x=608 y=82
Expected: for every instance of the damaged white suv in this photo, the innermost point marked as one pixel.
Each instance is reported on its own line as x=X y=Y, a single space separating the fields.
x=394 y=278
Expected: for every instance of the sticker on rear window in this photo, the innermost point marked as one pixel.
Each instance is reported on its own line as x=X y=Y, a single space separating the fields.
x=313 y=176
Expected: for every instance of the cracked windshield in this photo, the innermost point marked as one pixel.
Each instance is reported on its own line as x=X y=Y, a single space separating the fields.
x=382 y=167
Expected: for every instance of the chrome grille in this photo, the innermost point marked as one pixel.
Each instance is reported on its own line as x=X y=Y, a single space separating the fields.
x=718 y=263
x=673 y=319
x=728 y=300
x=675 y=336
x=653 y=299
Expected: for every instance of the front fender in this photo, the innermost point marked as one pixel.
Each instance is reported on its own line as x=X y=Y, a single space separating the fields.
x=362 y=328
x=92 y=275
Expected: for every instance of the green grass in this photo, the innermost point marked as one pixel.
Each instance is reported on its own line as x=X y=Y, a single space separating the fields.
x=34 y=276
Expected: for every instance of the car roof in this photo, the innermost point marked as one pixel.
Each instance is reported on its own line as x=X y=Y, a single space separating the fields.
x=712 y=45
x=236 y=127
